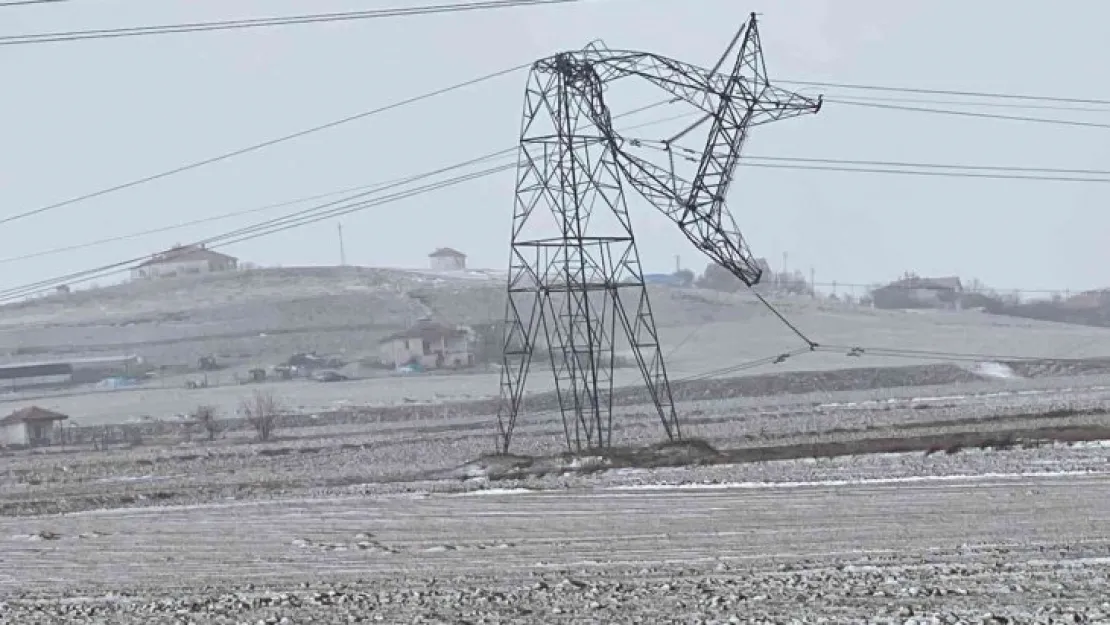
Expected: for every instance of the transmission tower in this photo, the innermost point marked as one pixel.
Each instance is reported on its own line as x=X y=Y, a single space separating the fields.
x=575 y=280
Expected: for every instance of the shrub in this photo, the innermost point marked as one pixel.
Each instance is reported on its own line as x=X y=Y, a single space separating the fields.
x=261 y=411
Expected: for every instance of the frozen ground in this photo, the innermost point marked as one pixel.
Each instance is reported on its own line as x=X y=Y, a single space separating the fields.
x=997 y=549
x=356 y=522
x=358 y=513
x=263 y=316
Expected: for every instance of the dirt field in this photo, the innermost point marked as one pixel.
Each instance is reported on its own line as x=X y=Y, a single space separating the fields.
x=379 y=521
x=953 y=550
x=828 y=487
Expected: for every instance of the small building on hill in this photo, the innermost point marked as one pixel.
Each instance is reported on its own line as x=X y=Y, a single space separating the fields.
x=917 y=292
x=447 y=259
x=30 y=427
x=183 y=260
x=428 y=346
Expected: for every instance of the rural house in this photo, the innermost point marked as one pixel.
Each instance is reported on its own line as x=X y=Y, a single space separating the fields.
x=917 y=292
x=447 y=259
x=31 y=426
x=428 y=345
x=184 y=260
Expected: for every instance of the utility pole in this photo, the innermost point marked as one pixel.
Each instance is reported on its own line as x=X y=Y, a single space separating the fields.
x=342 y=252
x=813 y=282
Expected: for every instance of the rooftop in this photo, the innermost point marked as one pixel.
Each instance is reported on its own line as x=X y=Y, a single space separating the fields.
x=447 y=252
x=32 y=413
x=944 y=283
x=426 y=331
x=186 y=253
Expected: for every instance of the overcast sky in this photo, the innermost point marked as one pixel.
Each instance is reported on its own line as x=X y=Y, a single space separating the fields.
x=77 y=117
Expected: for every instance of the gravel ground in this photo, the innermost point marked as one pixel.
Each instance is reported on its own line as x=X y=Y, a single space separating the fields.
x=1006 y=550
x=390 y=455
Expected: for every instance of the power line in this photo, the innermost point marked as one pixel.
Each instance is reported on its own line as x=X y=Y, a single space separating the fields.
x=326 y=211
x=787 y=159
x=905 y=168
x=858 y=351
x=947 y=92
x=265 y=144
x=1007 y=105
x=19 y=3
x=239 y=213
x=744 y=366
x=454 y=87
x=1019 y=118
x=265 y=22
x=375 y=187
x=935 y=174
x=933 y=165
x=313 y=214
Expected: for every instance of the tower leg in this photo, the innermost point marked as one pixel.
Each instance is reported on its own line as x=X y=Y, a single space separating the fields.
x=577 y=279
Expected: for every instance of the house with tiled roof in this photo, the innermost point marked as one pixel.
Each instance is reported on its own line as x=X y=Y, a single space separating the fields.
x=30 y=426
x=447 y=259
x=184 y=260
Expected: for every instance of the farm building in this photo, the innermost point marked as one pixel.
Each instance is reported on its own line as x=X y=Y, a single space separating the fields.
x=184 y=260
x=31 y=426
x=26 y=375
x=428 y=345
x=915 y=292
x=91 y=370
x=35 y=375
x=447 y=259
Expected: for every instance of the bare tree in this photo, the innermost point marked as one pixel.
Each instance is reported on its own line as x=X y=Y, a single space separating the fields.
x=205 y=416
x=261 y=411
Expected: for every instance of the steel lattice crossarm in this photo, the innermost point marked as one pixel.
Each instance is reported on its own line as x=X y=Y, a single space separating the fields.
x=575 y=278
x=730 y=103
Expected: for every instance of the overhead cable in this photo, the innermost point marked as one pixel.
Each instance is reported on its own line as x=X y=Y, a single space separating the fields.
x=272 y=226
x=265 y=144
x=946 y=92
x=265 y=22
x=239 y=213
x=937 y=111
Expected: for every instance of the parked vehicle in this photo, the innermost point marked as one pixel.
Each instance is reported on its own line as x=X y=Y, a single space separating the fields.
x=329 y=376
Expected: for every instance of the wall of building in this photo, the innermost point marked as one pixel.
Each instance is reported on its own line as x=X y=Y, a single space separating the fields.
x=182 y=268
x=13 y=434
x=448 y=263
x=28 y=375
x=400 y=352
x=451 y=352
x=39 y=381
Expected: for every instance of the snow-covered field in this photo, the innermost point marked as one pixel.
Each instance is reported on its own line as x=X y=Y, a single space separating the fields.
x=263 y=316
x=180 y=529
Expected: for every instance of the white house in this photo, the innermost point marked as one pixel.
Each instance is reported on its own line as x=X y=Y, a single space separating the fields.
x=31 y=426
x=184 y=260
x=428 y=345
x=447 y=259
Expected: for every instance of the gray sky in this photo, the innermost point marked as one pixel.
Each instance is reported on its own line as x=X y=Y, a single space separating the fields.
x=81 y=116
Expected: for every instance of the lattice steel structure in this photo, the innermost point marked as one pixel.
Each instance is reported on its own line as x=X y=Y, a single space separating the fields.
x=575 y=279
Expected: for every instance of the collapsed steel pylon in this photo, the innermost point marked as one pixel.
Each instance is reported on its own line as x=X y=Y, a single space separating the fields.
x=574 y=270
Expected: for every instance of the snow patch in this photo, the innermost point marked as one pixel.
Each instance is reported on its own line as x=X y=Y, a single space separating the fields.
x=910 y=479
x=994 y=370
x=496 y=491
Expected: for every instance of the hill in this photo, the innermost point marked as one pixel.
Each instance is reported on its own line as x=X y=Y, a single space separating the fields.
x=264 y=315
